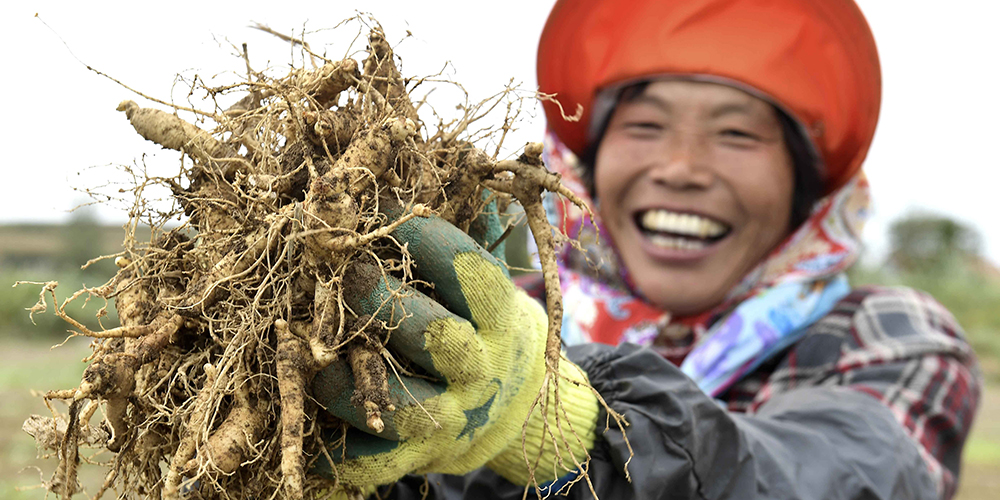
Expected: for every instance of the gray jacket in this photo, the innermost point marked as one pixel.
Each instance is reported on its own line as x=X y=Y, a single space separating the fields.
x=826 y=432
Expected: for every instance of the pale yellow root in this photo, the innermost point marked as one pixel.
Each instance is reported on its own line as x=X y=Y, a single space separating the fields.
x=295 y=368
x=328 y=207
x=542 y=233
x=334 y=129
x=380 y=69
x=61 y=394
x=186 y=448
x=233 y=440
x=205 y=291
x=210 y=205
x=529 y=182
x=326 y=330
x=460 y=189
x=116 y=408
x=330 y=203
x=373 y=153
x=64 y=480
x=371 y=381
x=127 y=330
x=172 y=132
x=325 y=84
x=112 y=377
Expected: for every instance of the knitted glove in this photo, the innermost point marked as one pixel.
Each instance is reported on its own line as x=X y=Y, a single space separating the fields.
x=483 y=347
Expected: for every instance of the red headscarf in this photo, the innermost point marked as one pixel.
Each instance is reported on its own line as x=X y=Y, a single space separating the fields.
x=814 y=59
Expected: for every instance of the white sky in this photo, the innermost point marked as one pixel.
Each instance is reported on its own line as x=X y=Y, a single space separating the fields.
x=936 y=147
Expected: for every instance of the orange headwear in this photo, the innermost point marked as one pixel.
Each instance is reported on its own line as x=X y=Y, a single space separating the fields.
x=815 y=59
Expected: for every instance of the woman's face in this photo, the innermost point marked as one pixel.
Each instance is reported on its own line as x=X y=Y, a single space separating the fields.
x=694 y=183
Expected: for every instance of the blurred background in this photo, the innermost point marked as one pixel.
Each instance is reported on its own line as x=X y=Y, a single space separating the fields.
x=933 y=166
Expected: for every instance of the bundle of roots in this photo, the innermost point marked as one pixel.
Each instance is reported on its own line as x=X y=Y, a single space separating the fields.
x=226 y=317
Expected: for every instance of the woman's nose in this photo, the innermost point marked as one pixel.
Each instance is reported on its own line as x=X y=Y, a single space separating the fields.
x=683 y=164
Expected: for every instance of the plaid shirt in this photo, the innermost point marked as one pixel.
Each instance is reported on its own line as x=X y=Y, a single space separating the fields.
x=897 y=345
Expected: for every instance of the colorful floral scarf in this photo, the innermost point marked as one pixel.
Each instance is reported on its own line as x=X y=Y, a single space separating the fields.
x=798 y=283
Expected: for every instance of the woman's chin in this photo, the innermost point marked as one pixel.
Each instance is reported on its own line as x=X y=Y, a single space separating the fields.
x=683 y=281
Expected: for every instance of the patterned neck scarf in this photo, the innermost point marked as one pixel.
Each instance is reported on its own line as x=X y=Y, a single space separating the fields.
x=769 y=310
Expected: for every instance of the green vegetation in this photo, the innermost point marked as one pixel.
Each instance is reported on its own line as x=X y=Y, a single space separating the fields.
x=942 y=257
x=42 y=253
x=928 y=243
x=24 y=367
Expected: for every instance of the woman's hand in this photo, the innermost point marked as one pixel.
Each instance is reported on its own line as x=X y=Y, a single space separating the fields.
x=483 y=348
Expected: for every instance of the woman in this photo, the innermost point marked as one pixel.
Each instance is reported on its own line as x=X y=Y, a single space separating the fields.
x=721 y=141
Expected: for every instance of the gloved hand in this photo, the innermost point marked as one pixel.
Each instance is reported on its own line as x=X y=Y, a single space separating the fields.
x=485 y=351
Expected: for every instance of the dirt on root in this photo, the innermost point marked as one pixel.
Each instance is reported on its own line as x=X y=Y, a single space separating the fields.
x=226 y=318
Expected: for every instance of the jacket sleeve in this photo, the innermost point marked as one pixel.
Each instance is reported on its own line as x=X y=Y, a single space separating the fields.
x=843 y=429
x=825 y=442
x=813 y=443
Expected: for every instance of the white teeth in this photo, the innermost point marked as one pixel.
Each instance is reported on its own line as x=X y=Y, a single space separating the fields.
x=665 y=221
x=676 y=243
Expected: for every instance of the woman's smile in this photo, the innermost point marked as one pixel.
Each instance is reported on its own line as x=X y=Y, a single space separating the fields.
x=679 y=235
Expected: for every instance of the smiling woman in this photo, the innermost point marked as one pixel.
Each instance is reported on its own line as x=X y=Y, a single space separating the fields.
x=722 y=141
x=695 y=182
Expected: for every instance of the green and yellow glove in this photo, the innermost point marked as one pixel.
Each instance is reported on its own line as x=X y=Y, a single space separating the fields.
x=483 y=347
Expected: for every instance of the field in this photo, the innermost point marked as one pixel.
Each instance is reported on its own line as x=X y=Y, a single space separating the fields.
x=31 y=365
x=27 y=366
x=27 y=363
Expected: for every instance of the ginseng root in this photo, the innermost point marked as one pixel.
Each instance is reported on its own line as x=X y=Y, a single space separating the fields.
x=235 y=301
x=295 y=368
x=371 y=380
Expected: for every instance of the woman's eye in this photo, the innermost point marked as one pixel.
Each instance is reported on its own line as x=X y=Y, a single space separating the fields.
x=738 y=138
x=738 y=134
x=644 y=126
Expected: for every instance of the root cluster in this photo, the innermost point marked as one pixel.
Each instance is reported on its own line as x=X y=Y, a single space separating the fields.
x=226 y=317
